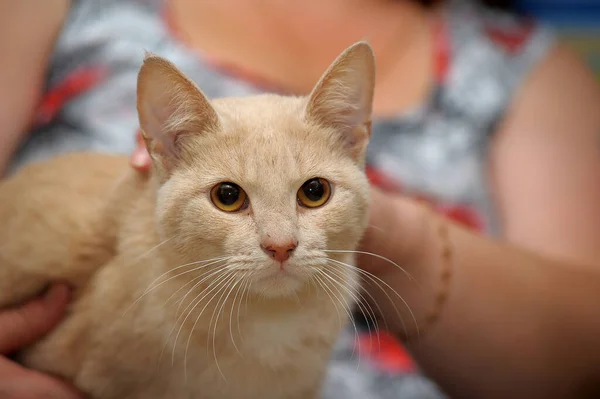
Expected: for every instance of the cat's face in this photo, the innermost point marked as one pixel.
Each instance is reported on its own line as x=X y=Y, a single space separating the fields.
x=261 y=190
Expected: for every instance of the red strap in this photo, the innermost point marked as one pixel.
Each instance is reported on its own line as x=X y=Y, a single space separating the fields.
x=442 y=51
x=76 y=83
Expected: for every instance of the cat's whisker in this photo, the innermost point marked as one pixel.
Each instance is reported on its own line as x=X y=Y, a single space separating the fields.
x=247 y=294
x=360 y=298
x=148 y=252
x=193 y=304
x=180 y=301
x=374 y=302
x=222 y=286
x=371 y=282
x=218 y=307
x=365 y=308
x=313 y=283
x=329 y=293
x=373 y=279
x=215 y=259
x=246 y=291
x=297 y=298
x=378 y=281
x=200 y=276
x=210 y=275
x=236 y=281
x=348 y=310
x=379 y=229
x=240 y=287
x=357 y=342
x=149 y=290
x=403 y=270
x=351 y=293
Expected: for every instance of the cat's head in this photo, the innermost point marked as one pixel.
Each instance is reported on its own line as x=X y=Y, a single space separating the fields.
x=269 y=187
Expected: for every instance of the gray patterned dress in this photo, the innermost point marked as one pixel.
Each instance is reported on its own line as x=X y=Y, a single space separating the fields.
x=436 y=151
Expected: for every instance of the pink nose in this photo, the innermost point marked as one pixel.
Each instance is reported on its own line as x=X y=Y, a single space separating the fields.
x=279 y=252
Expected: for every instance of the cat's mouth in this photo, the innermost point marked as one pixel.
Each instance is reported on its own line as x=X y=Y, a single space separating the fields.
x=279 y=282
x=280 y=275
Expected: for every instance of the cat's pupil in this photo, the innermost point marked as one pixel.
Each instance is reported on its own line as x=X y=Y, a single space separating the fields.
x=313 y=189
x=228 y=193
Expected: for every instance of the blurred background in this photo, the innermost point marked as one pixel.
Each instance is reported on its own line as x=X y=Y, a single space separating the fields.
x=578 y=21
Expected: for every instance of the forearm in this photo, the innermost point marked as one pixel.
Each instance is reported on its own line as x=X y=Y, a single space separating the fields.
x=28 y=30
x=514 y=325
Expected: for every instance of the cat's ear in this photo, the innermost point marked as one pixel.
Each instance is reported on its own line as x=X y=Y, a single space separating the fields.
x=170 y=108
x=343 y=98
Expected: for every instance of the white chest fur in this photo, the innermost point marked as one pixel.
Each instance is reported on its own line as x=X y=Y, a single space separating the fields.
x=275 y=355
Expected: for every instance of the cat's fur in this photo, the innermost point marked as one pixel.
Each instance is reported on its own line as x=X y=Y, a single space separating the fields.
x=113 y=233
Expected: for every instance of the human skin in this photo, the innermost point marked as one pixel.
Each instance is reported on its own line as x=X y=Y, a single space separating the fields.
x=21 y=326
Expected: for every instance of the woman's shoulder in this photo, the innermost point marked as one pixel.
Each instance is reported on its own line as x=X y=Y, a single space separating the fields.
x=491 y=52
x=499 y=33
x=90 y=94
x=111 y=36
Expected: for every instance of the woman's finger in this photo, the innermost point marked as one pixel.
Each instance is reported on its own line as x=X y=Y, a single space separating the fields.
x=22 y=326
x=20 y=383
x=140 y=159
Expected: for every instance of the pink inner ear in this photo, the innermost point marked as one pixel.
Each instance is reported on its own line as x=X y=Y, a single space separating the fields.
x=157 y=128
x=169 y=104
x=343 y=98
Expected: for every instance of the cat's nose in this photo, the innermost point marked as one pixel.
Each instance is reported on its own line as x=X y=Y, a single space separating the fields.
x=279 y=252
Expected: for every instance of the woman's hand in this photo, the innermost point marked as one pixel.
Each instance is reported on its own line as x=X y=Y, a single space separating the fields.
x=500 y=299
x=140 y=159
x=393 y=255
x=22 y=326
x=395 y=229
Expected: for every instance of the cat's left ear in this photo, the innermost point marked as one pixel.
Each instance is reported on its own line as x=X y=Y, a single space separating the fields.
x=170 y=109
x=343 y=98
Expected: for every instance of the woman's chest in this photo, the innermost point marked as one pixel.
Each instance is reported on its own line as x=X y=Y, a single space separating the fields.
x=441 y=160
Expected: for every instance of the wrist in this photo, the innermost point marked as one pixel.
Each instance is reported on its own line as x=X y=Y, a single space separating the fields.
x=397 y=230
x=407 y=233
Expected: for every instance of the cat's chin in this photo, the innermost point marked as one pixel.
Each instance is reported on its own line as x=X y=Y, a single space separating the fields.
x=278 y=285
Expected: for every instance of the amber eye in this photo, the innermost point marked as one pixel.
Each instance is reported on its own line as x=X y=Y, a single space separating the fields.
x=229 y=197
x=314 y=193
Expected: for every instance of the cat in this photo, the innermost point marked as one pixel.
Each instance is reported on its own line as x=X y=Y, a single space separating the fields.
x=222 y=273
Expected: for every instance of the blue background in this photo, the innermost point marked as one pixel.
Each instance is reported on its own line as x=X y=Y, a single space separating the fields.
x=577 y=21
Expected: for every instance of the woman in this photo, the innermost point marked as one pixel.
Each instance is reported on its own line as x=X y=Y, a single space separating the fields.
x=482 y=114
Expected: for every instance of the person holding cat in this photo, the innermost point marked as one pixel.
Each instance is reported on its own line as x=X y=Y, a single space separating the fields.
x=21 y=327
x=481 y=114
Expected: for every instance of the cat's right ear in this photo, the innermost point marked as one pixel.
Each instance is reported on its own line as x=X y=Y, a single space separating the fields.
x=170 y=108
x=343 y=98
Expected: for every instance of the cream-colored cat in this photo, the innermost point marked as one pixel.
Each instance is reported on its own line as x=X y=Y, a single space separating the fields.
x=220 y=276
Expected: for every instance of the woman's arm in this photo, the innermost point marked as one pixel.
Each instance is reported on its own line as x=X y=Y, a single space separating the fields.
x=522 y=318
x=28 y=29
x=515 y=324
x=545 y=162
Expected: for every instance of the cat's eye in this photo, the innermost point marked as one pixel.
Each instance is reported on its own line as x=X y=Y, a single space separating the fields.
x=229 y=197
x=314 y=193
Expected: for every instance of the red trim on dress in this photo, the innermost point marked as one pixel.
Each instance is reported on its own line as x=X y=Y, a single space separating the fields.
x=76 y=83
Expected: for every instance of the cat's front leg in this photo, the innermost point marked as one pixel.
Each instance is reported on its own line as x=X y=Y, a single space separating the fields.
x=17 y=285
x=26 y=270
x=20 y=281
x=120 y=369
x=309 y=394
